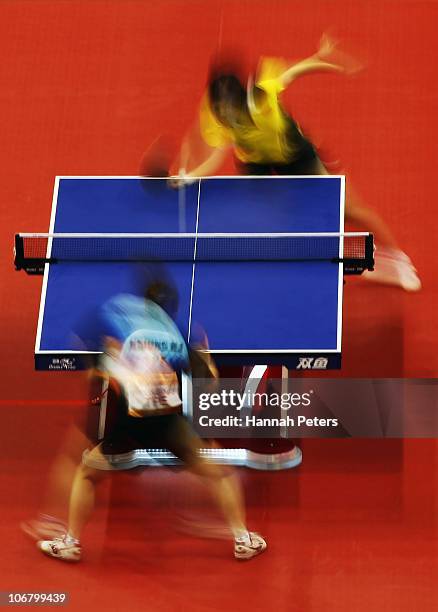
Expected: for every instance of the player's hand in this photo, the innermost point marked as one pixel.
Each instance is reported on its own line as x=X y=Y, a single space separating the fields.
x=174 y=182
x=326 y=46
x=182 y=180
x=329 y=51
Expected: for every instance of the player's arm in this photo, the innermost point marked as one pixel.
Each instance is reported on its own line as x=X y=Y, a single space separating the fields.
x=310 y=65
x=201 y=362
x=210 y=164
x=326 y=59
x=207 y=167
x=196 y=157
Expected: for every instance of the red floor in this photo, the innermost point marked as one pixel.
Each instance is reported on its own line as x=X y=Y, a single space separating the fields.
x=86 y=87
x=339 y=539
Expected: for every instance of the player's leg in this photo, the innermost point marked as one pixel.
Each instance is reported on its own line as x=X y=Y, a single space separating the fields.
x=221 y=482
x=357 y=212
x=51 y=521
x=308 y=163
x=392 y=265
x=82 y=499
x=104 y=393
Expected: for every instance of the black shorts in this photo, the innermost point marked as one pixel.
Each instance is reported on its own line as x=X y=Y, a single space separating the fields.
x=306 y=162
x=109 y=423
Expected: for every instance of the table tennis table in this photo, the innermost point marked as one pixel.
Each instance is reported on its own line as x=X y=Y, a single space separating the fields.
x=254 y=312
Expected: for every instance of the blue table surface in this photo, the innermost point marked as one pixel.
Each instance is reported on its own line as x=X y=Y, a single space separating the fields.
x=253 y=306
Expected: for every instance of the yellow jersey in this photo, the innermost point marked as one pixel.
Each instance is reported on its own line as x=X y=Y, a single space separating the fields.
x=269 y=138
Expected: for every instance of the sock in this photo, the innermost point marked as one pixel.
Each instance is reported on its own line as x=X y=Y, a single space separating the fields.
x=242 y=535
x=69 y=539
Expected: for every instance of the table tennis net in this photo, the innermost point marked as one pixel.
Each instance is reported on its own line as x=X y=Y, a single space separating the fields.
x=38 y=249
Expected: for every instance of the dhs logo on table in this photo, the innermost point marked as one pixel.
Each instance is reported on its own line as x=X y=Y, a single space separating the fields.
x=62 y=363
x=312 y=363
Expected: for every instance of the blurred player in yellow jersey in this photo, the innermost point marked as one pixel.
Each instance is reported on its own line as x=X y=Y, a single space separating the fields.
x=249 y=120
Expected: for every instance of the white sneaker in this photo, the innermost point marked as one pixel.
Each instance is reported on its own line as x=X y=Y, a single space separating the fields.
x=61 y=548
x=393 y=267
x=245 y=549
